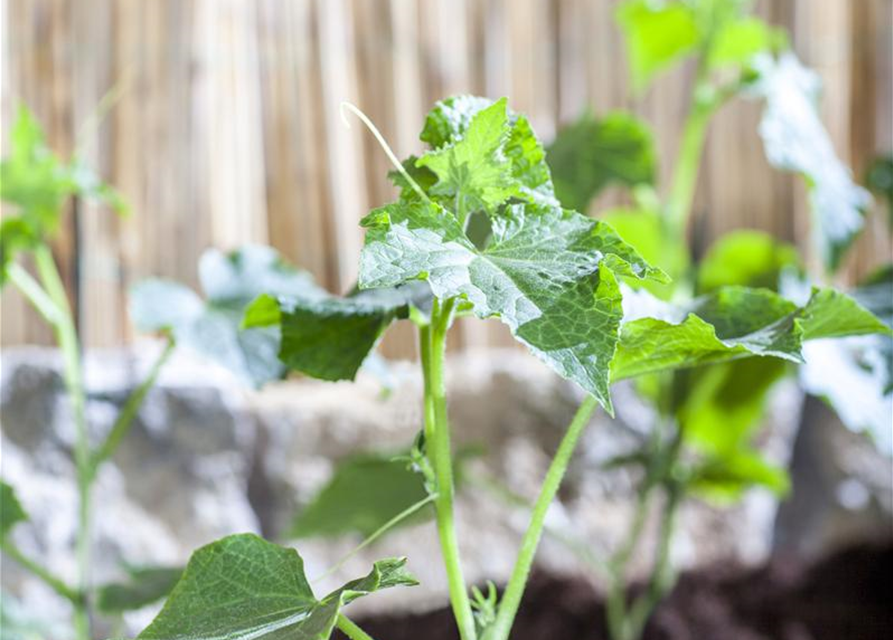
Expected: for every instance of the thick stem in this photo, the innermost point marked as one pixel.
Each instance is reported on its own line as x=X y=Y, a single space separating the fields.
x=514 y=590
x=66 y=335
x=125 y=419
x=437 y=442
x=350 y=628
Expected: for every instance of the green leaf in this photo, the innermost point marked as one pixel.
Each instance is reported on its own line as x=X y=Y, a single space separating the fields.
x=796 y=140
x=732 y=323
x=244 y=587
x=330 y=337
x=737 y=42
x=589 y=154
x=720 y=405
x=36 y=183
x=658 y=34
x=365 y=493
x=144 y=586
x=11 y=511
x=645 y=230
x=745 y=258
x=473 y=170
x=724 y=478
x=541 y=273
x=212 y=327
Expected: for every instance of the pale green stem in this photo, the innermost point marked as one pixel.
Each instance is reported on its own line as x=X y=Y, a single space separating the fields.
x=55 y=583
x=437 y=442
x=66 y=335
x=514 y=591
x=35 y=294
x=125 y=419
x=383 y=529
x=350 y=628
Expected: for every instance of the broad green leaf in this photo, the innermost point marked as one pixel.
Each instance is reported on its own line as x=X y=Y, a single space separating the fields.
x=542 y=273
x=330 y=337
x=36 y=183
x=745 y=258
x=144 y=586
x=796 y=140
x=365 y=493
x=11 y=511
x=589 y=154
x=474 y=170
x=212 y=327
x=724 y=478
x=243 y=587
x=657 y=35
x=732 y=323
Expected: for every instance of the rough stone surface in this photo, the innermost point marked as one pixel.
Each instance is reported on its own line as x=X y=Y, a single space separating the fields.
x=207 y=458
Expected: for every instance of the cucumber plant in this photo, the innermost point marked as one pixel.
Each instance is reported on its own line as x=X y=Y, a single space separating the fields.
x=701 y=445
x=477 y=231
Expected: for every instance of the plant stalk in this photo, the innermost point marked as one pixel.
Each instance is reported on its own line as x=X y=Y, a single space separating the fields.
x=437 y=442
x=514 y=590
x=350 y=628
x=41 y=572
x=66 y=335
x=125 y=419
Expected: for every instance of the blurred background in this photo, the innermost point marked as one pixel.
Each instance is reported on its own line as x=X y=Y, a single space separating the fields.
x=219 y=122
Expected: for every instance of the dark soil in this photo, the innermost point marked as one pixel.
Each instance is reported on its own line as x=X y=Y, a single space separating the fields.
x=846 y=596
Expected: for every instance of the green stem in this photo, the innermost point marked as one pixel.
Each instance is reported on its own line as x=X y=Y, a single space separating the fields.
x=125 y=419
x=437 y=441
x=35 y=294
x=383 y=529
x=616 y=601
x=56 y=584
x=514 y=590
x=66 y=335
x=662 y=578
x=350 y=628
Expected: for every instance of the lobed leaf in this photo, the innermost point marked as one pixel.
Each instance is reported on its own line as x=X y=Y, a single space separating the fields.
x=330 y=337
x=244 y=587
x=546 y=272
x=211 y=327
x=736 y=322
x=589 y=154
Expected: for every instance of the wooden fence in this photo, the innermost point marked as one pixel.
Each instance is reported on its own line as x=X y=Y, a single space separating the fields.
x=227 y=127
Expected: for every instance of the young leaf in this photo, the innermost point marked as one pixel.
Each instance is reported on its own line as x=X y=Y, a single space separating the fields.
x=657 y=35
x=212 y=327
x=541 y=273
x=11 y=511
x=738 y=41
x=795 y=140
x=330 y=337
x=244 y=587
x=589 y=154
x=365 y=493
x=879 y=178
x=144 y=586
